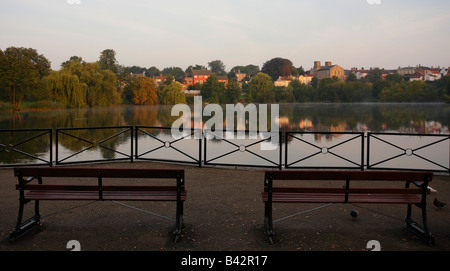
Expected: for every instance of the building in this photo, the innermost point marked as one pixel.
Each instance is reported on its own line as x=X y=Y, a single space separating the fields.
x=283 y=81
x=432 y=75
x=406 y=70
x=328 y=71
x=200 y=77
x=159 y=80
x=305 y=79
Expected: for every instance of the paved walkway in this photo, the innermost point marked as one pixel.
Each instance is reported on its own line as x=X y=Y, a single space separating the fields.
x=223 y=212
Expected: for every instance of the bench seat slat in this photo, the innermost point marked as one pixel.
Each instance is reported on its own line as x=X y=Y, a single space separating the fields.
x=340 y=198
x=359 y=190
x=107 y=195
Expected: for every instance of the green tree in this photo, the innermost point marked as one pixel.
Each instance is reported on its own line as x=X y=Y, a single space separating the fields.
x=108 y=60
x=217 y=67
x=21 y=71
x=260 y=89
x=176 y=72
x=233 y=91
x=213 y=90
x=351 y=77
x=73 y=58
x=172 y=93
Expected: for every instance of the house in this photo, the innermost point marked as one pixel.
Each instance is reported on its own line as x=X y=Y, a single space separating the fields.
x=406 y=70
x=200 y=77
x=283 y=81
x=416 y=77
x=240 y=76
x=360 y=73
x=159 y=80
x=432 y=75
x=329 y=71
x=305 y=79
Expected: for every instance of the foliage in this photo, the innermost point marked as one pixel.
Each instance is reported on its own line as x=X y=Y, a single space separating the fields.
x=21 y=70
x=277 y=67
x=213 y=90
x=217 y=67
x=144 y=90
x=172 y=93
x=260 y=89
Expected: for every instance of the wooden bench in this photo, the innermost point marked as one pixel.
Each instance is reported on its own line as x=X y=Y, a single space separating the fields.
x=95 y=189
x=349 y=190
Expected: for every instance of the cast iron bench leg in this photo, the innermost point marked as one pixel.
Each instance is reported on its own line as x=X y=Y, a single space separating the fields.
x=22 y=228
x=268 y=224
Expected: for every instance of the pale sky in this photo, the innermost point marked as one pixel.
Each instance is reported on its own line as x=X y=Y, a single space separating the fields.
x=166 y=33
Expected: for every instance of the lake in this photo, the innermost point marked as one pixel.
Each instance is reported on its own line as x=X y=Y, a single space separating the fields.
x=327 y=132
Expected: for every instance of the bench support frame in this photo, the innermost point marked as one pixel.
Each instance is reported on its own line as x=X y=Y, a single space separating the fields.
x=23 y=227
x=421 y=230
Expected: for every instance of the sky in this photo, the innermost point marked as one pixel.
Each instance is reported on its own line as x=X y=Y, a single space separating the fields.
x=179 y=33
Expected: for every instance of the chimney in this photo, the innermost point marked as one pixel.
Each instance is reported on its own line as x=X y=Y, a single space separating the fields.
x=327 y=63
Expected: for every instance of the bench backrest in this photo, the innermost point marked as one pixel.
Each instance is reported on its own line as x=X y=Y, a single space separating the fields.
x=420 y=179
x=405 y=176
x=96 y=172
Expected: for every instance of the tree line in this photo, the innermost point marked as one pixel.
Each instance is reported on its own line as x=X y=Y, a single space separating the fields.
x=25 y=75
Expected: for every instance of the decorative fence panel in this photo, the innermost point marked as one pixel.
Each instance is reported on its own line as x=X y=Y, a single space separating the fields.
x=331 y=150
x=94 y=144
x=158 y=144
x=30 y=147
x=393 y=151
x=243 y=148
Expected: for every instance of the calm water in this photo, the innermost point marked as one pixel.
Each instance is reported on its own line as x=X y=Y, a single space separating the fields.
x=406 y=118
x=305 y=150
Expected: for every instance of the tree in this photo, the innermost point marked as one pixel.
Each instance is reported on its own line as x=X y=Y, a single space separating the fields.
x=172 y=93
x=21 y=71
x=260 y=89
x=144 y=90
x=217 y=67
x=176 y=72
x=352 y=77
x=277 y=67
x=213 y=90
x=73 y=58
x=108 y=60
x=233 y=91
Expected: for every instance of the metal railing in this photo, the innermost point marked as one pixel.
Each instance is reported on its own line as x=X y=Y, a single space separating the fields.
x=86 y=140
x=240 y=146
x=12 y=141
x=327 y=150
x=391 y=151
x=161 y=146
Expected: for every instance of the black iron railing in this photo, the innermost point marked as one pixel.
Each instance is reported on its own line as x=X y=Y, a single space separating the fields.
x=408 y=151
x=78 y=141
x=328 y=150
x=18 y=147
x=161 y=146
x=240 y=149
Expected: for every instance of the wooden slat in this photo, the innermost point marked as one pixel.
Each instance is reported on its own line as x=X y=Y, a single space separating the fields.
x=354 y=175
x=94 y=172
x=107 y=195
x=362 y=190
x=340 y=198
